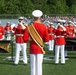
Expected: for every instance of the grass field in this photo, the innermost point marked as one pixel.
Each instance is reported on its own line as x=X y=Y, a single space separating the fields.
x=49 y=68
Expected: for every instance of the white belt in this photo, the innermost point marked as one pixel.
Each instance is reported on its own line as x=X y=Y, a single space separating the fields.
x=70 y=33
x=51 y=34
x=0 y=33
x=19 y=34
x=59 y=36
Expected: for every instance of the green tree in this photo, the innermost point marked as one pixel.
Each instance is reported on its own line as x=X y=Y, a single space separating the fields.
x=28 y=6
x=73 y=9
x=1 y=6
x=58 y=6
x=41 y=5
x=72 y=6
x=18 y=7
x=11 y=7
x=47 y=6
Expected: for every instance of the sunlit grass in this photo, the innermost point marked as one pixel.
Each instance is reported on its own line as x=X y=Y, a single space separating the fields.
x=49 y=68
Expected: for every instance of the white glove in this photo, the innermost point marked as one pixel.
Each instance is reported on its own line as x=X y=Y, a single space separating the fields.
x=16 y=26
x=73 y=24
x=63 y=27
x=22 y=25
x=2 y=37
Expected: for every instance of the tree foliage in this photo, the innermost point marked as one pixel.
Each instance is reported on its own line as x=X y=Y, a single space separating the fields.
x=18 y=7
x=47 y=6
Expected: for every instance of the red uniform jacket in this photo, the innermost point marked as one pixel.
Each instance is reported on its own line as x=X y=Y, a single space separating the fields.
x=70 y=31
x=19 y=32
x=41 y=29
x=1 y=32
x=67 y=30
x=51 y=33
x=74 y=32
x=8 y=28
x=60 y=40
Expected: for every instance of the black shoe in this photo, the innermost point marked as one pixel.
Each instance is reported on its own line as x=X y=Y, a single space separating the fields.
x=25 y=64
x=15 y=64
x=56 y=63
x=63 y=63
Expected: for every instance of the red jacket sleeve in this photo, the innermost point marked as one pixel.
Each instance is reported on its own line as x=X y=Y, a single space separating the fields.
x=26 y=35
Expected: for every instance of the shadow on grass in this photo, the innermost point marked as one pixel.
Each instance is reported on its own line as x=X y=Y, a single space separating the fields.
x=48 y=62
x=6 y=63
x=11 y=62
x=71 y=57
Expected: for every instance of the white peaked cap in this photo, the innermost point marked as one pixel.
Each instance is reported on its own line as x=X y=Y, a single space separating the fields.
x=69 y=21
x=21 y=18
x=63 y=21
x=59 y=20
x=37 y=13
x=0 y=22
x=51 y=23
x=8 y=22
x=59 y=24
x=75 y=23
